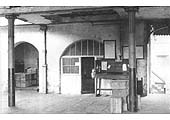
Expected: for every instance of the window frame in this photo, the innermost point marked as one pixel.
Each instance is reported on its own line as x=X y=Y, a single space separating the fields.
x=70 y=73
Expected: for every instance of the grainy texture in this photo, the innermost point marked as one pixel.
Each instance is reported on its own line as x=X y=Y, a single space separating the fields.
x=29 y=101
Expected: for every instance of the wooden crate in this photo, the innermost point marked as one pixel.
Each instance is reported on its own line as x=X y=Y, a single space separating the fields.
x=19 y=75
x=120 y=84
x=18 y=84
x=25 y=84
x=120 y=92
x=116 y=105
x=33 y=82
x=25 y=79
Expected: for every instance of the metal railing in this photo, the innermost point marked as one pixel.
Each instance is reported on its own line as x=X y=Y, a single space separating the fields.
x=163 y=81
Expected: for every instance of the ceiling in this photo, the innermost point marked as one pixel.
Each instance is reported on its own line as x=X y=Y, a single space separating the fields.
x=70 y=14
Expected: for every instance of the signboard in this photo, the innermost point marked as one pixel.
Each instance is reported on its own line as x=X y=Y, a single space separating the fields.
x=110 y=49
x=139 y=52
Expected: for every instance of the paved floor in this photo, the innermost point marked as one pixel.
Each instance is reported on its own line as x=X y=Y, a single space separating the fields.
x=30 y=101
x=156 y=103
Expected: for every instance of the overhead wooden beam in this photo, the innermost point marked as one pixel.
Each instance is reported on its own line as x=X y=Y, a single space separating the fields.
x=49 y=9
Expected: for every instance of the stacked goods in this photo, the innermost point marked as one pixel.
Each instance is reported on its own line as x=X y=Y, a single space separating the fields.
x=34 y=79
x=26 y=79
x=18 y=79
x=25 y=82
x=32 y=76
x=31 y=70
x=22 y=80
x=116 y=105
x=34 y=82
x=29 y=79
x=120 y=89
x=34 y=70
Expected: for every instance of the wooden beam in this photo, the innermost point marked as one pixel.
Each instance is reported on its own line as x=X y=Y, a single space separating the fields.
x=49 y=9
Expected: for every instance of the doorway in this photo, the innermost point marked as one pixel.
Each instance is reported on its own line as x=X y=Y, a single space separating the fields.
x=87 y=83
x=26 y=65
x=160 y=59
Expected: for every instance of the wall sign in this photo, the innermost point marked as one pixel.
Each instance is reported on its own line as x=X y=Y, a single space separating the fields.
x=104 y=65
x=110 y=49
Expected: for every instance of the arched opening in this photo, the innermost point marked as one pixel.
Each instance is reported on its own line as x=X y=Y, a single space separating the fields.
x=26 y=65
x=76 y=63
x=159 y=59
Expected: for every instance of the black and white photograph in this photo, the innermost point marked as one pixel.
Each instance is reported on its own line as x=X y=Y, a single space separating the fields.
x=104 y=60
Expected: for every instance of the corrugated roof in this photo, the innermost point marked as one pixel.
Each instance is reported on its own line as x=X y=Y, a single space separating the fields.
x=165 y=31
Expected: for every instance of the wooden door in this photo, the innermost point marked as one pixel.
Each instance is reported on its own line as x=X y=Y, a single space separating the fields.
x=87 y=85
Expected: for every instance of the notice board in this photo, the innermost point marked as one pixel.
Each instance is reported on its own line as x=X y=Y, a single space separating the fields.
x=110 y=49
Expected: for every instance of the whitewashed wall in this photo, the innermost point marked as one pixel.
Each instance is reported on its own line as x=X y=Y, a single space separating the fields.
x=30 y=34
x=59 y=37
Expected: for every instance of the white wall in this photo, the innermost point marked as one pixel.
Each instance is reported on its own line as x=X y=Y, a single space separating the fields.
x=160 y=59
x=30 y=34
x=71 y=84
x=4 y=59
x=59 y=37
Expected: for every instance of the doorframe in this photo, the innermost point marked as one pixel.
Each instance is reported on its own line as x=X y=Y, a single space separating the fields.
x=149 y=67
x=38 y=62
x=82 y=68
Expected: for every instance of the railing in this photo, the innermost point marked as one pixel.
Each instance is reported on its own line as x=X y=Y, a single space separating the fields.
x=162 y=84
x=163 y=81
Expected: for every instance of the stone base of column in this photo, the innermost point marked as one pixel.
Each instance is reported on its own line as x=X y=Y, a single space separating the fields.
x=132 y=90
x=11 y=87
x=43 y=82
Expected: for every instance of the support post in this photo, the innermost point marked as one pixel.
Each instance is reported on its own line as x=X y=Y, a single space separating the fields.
x=11 y=60
x=45 y=65
x=132 y=59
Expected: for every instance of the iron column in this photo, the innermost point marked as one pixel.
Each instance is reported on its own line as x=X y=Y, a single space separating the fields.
x=45 y=66
x=11 y=60
x=132 y=59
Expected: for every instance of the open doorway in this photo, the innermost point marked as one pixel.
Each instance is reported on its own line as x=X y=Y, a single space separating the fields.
x=87 y=64
x=26 y=65
x=160 y=64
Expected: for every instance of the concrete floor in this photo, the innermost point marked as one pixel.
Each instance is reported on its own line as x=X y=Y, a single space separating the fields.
x=32 y=102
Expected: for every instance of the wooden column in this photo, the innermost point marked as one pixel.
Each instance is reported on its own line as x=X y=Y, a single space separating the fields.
x=11 y=60
x=45 y=66
x=132 y=59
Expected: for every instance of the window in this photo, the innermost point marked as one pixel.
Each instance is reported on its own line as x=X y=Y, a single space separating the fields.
x=70 y=65
x=85 y=48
